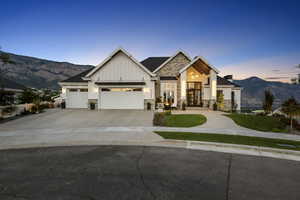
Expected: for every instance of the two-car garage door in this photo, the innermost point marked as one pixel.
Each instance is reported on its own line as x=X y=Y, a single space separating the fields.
x=121 y=98
x=110 y=98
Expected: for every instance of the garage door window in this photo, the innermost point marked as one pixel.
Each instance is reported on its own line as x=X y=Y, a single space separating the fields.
x=122 y=89
x=73 y=90
x=83 y=90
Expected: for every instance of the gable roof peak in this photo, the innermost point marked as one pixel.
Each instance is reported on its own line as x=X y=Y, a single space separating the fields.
x=120 y=49
x=171 y=58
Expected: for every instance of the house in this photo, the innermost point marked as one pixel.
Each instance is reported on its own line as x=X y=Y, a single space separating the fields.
x=122 y=82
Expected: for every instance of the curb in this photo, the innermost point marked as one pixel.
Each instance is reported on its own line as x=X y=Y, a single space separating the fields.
x=193 y=145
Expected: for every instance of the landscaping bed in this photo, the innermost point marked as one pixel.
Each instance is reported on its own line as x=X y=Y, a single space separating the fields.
x=232 y=139
x=259 y=122
x=178 y=120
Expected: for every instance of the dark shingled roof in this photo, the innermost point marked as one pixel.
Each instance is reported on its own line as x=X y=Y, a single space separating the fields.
x=120 y=83
x=223 y=81
x=6 y=83
x=168 y=78
x=152 y=63
x=78 y=77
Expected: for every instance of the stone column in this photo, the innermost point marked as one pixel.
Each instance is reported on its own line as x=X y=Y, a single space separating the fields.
x=213 y=87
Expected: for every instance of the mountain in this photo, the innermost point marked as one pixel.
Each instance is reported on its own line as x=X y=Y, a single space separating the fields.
x=40 y=73
x=254 y=88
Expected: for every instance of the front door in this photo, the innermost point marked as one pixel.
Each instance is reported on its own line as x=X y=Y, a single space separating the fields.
x=194 y=95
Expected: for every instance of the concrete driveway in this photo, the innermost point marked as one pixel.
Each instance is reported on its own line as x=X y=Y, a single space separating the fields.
x=119 y=172
x=81 y=118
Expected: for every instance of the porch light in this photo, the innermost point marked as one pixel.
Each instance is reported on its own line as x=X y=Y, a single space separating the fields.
x=63 y=90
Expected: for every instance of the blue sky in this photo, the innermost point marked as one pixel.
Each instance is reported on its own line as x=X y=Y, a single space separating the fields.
x=243 y=38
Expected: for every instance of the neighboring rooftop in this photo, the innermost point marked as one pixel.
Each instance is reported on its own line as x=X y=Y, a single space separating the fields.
x=223 y=81
x=153 y=63
x=78 y=77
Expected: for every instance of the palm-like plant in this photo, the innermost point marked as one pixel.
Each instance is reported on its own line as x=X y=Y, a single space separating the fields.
x=292 y=109
x=268 y=102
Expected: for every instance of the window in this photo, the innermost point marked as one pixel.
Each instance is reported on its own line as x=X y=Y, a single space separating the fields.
x=83 y=90
x=168 y=92
x=73 y=90
x=121 y=89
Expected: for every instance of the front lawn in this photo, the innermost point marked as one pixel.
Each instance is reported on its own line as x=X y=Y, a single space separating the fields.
x=232 y=139
x=178 y=120
x=259 y=123
x=184 y=120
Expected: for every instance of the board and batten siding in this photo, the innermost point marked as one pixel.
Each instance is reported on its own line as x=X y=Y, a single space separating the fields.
x=122 y=68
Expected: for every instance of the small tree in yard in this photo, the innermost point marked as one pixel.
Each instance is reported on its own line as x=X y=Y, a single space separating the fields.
x=220 y=101
x=292 y=109
x=268 y=102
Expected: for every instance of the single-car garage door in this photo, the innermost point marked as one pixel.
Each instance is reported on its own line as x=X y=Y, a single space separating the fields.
x=121 y=98
x=77 y=98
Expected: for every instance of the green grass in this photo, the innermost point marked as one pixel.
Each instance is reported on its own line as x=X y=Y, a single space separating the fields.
x=231 y=139
x=260 y=123
x=185 y=120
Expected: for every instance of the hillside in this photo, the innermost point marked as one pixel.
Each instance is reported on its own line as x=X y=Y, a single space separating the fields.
x=254 y=87
x=40 y=73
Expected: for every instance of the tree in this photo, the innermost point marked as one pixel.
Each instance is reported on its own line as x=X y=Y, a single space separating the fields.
x=268 y=102
x=29 y=96
x=220 y=100
x=292 y=109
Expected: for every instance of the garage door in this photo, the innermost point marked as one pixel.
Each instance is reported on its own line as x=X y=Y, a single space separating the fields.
x=77 y=98
x=121 y=98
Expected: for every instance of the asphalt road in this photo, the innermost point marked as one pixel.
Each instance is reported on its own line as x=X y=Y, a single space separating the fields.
x=123 y=172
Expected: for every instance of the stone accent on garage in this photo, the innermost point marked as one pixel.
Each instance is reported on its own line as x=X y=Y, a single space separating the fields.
x=151 y=101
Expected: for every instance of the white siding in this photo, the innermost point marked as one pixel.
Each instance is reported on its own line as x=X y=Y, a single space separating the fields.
x=122 y=68
x=93 y=91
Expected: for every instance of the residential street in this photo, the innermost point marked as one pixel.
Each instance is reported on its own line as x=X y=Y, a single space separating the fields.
x=119 y=172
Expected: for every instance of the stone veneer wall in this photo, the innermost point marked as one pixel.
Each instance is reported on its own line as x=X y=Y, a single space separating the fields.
x=172 y=68
x=227 y=105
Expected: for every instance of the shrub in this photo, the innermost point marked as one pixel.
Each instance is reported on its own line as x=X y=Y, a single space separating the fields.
x=159 y=119
x=33 y=109
x=215 y=106
x=183 y=106
x=168 y=112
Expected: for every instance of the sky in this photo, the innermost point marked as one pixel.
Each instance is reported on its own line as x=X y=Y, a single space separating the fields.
x=244 y=38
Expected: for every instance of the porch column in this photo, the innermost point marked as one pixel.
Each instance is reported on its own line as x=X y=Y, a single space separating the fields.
x=213 y=87
x=183 y=77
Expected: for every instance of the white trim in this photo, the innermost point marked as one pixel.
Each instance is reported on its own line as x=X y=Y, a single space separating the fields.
x=110 y=57
x=169 y=59
x=196 y=59
x=73 y=83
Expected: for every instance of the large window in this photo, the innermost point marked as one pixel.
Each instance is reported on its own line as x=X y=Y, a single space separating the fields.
x=169 y=92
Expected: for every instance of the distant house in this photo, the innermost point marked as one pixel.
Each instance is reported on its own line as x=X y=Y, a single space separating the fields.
x=9 y=90
x=122 y=82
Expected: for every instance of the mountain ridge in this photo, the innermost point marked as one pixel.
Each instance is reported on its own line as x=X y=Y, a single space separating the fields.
x=40 y=73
